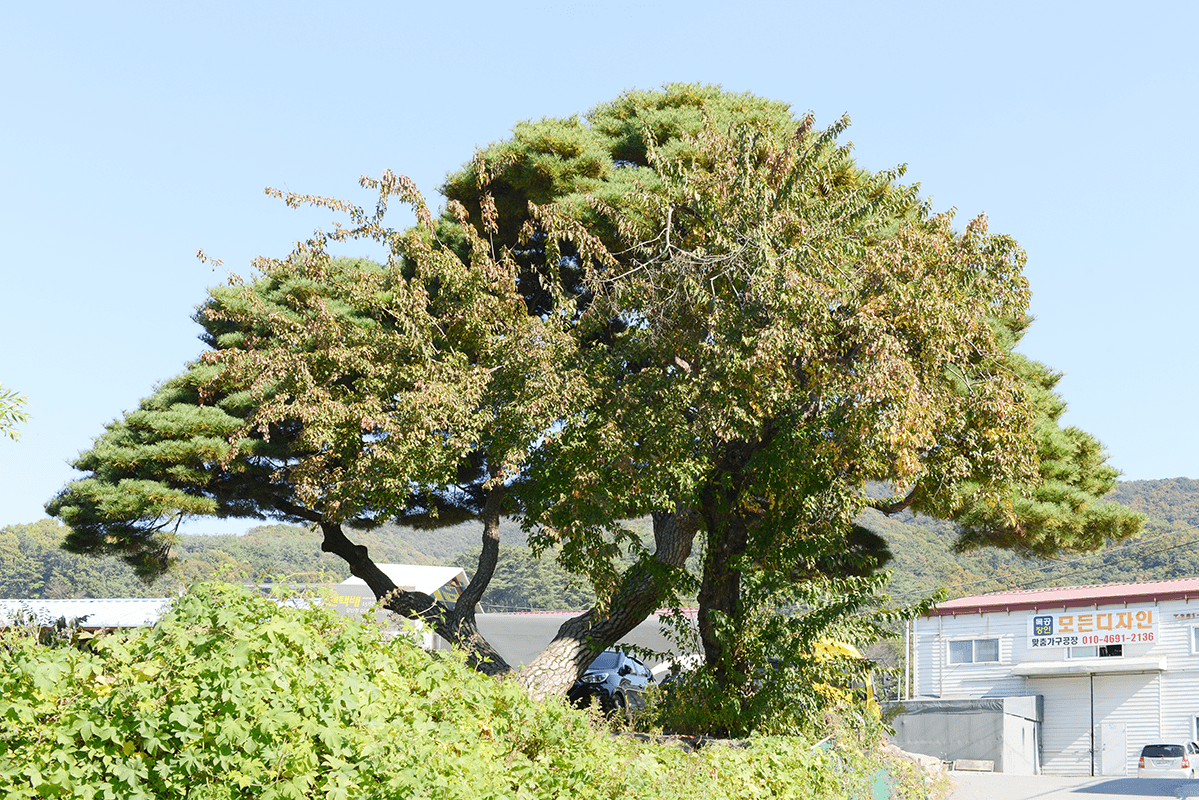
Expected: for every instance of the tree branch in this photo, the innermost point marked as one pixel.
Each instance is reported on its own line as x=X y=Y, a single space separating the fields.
x=455 y=626
x=893 y=505
x=643 y=587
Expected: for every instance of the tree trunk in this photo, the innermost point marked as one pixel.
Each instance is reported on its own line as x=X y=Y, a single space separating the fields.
x=457 y=626
x=481 y=655
x=579 y=640
x=720 y=587
x=643 y=588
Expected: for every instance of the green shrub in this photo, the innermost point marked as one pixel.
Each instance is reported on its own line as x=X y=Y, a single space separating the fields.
x=233 y=695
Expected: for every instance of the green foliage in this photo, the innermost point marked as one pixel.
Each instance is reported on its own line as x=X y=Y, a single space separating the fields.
x=525 y=582
x=285 y=418
x=11 y=414
x=798 y=665
x=177 y=455
x=693 y=304
x=925 y=558
x=574 y=162
x=335 y=391
x=766 y=329
x=1065 y=509
x=236 y=696
x=729 y=259
x=342 y=358
x=775 y=329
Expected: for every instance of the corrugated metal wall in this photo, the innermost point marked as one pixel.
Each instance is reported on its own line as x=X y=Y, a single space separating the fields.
x=935 y=677
x=1180 y=705
x=1153 y=707
x=1136 y=701
x=1180 y=689
x=1066 y=731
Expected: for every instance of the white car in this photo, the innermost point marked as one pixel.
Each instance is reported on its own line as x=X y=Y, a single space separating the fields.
x=1169 y=760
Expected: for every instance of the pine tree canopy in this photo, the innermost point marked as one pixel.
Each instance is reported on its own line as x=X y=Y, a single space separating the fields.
x=688 y=303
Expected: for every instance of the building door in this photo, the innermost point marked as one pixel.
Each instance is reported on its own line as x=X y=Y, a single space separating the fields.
x=1113 y=748
x=1132 y=701
x=1065 y=732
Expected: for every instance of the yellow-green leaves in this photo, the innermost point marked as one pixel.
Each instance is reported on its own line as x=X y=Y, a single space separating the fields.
x=11 y=414
x=249 y=698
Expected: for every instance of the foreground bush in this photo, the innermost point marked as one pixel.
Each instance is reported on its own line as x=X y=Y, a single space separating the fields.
x=235 y=696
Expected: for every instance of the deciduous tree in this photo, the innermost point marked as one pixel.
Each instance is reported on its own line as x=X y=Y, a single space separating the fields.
x=324 y=399
x=778 y=328
x=690 y=305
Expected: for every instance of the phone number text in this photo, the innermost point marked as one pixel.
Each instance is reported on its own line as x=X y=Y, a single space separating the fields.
x=1107 y=638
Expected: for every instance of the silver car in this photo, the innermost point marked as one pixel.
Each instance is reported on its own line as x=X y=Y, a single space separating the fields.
x=1170 y=760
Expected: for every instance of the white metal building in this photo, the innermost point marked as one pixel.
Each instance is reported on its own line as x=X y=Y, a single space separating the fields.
x=350 y=597
x=87 y=615
x=1117 y=666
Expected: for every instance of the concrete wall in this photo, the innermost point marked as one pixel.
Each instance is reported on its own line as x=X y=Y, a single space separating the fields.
x=999 y=729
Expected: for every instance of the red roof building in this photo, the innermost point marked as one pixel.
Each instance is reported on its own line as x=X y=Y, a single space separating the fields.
x=1103 y=594
x=1070 y=680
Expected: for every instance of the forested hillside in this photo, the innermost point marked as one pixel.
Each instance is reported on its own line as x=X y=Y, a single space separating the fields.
x=1168 y=548
x=33 y=566
x=1172 y=503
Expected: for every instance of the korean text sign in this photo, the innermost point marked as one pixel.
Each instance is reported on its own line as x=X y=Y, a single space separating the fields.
x=1087 y=627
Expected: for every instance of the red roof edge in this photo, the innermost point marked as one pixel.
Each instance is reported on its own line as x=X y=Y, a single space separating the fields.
x=1071 y=597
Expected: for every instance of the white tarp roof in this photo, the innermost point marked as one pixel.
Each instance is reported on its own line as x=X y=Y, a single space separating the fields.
x=419 y=577
x=111 y=613
x=1090 y=666
x=135 y=612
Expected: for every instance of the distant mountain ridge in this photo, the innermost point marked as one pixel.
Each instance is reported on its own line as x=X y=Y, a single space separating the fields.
x=1167 y=548
x=33 y=566
x=1172 y=502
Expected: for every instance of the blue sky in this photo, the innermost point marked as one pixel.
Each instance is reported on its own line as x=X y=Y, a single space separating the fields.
x=136 y=134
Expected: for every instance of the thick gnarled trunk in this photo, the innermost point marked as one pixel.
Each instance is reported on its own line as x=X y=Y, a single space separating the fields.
x=578 y=641
x=727 y=537
x=643 y=588
x=456 y=625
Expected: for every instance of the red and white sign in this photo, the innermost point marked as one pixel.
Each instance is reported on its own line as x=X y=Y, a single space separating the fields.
x=1077 y=628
